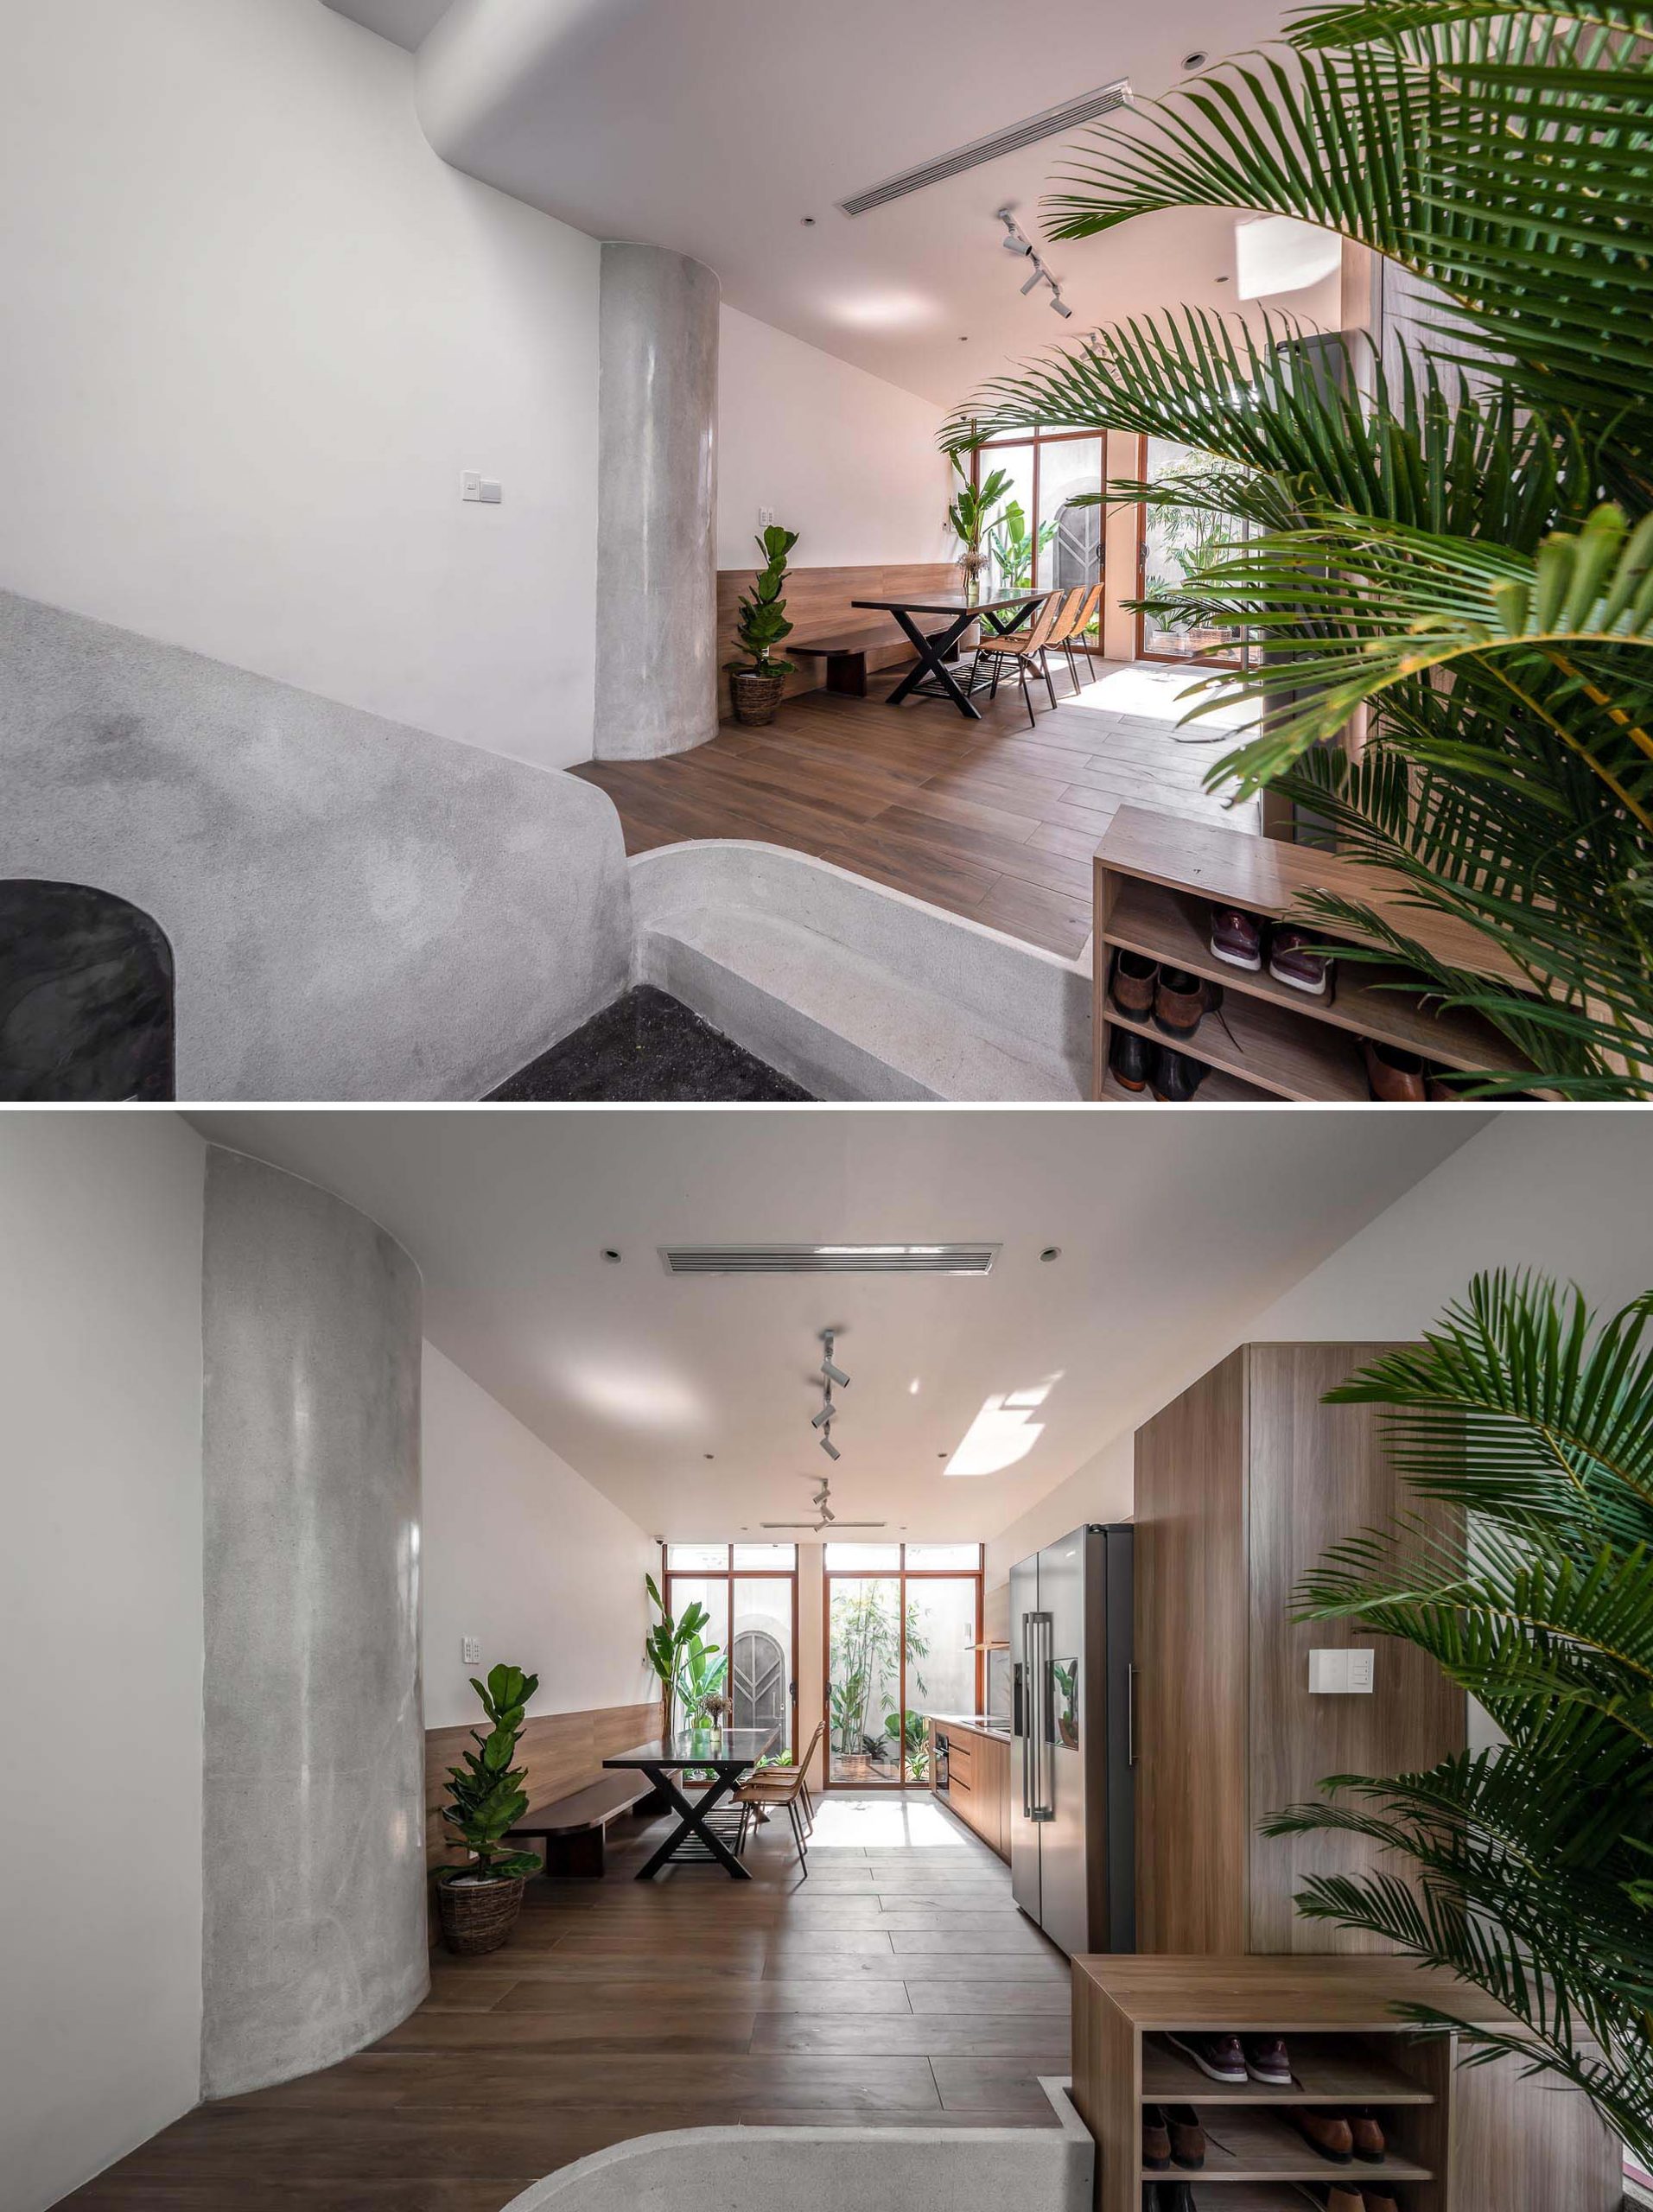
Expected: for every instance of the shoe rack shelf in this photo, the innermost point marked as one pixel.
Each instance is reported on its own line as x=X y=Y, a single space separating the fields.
x=1157 y=875
x=1347 y=2049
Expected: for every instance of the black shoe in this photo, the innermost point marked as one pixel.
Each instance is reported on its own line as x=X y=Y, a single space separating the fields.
x=1175 y=1076
x=1172 y=2197
x=1129 y=1057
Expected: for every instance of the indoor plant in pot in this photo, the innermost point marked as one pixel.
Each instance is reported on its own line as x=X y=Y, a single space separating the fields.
x=667 y=1647
x=757 y=678
x=973 y=509
x=478 y=1901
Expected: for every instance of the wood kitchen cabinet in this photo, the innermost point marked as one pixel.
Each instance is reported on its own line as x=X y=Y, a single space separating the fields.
x=978 y=1788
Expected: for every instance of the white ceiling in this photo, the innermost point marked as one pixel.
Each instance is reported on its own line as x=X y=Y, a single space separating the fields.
x=1173 y=1228
x=715 y=126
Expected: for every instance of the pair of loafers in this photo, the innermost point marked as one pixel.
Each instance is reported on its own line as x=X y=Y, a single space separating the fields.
x=1138 y=1064
x=1175 y=1001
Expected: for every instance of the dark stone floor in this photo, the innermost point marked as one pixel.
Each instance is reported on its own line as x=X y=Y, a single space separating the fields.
x=647 y=1047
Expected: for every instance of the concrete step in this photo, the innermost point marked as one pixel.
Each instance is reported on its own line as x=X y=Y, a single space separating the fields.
x=840 y=1024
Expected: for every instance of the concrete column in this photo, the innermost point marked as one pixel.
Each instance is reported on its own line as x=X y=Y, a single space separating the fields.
x=313 y=1826
x=657 y=559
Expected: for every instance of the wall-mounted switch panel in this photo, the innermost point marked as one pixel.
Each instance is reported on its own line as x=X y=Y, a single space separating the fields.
x=480 y=490
x=1341 y=1674
x=765 y=515
x=471 y=1648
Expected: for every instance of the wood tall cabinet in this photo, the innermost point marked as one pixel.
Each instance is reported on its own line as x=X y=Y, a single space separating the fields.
x=1242 y=1483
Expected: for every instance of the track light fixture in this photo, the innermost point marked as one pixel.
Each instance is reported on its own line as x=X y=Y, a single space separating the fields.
x=828 y=1446
x=830 y=1374
x=1014 y=241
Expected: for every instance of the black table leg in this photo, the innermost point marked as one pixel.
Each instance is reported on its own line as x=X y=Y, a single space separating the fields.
x=693 y=1822
x=932 y=653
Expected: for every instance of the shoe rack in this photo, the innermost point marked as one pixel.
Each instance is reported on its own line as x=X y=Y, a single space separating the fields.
x=1347 y=2047
x=1157 y=875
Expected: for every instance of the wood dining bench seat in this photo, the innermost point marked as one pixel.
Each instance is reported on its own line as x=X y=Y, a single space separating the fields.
x=845 y=650
x=572 y=1828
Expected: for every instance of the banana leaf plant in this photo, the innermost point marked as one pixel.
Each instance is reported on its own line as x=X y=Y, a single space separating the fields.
x=912 y=1731
x=974 y=508
x=667 y=1644
x=701 y=1678
x=762 y=622
x=1011 y=544
x=1452 y=540
x=1531 y=1862
x=485 y=1796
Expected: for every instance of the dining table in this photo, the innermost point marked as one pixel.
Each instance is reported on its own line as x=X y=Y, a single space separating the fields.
x=932 y=678
x=725 y=1754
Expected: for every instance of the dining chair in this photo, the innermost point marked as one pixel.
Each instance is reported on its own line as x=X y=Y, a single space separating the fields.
x=1069 y=623
x=1088 y=615
x=781 y=1788
x=1027 y=648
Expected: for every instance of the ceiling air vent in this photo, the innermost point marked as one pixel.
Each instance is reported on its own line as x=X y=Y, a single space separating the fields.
x=829 y=1259
x=1054 y=120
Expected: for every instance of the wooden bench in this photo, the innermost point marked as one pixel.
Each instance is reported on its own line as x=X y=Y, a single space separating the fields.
x=572 y=1829
x=845 y=652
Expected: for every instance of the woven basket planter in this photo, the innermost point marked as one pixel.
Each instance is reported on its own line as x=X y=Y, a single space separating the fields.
x=756 y=699
x=478 y=1916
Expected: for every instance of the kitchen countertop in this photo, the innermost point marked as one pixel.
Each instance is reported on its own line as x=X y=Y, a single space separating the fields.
x=981 y=1723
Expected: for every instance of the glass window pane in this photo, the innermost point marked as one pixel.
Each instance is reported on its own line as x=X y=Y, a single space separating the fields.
x=1175 y=540
x=859 y=1559
x=1009 y=536
x=762 y=1555
x=934 y=1556
x=863 y=1679
x=697 y=1555
x=941 y=1658
x=761 y=1656
x=702 y=1675
x=1065 y=472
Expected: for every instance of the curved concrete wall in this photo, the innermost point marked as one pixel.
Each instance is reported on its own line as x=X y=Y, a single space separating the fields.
x=312 y=1832
x=357 y=909
x=657 y=505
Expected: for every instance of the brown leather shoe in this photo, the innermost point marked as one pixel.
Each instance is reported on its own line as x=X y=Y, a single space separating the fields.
x=1133 y=984
x=1182 y=1001
x=1378 y=2200
x=1394 y=1076
x=1187 y=2137
x=1368 y=2134
x=1328 y=2132
x=1156 y=2139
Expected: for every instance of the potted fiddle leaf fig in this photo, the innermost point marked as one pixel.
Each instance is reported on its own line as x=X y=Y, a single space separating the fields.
x=758 y=678
x=479 y=1899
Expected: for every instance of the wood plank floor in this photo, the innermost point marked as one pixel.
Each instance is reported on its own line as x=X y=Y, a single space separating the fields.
x=896 y=1985
x=992 y=819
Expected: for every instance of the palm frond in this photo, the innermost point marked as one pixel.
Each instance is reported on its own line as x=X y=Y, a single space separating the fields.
x=1354 y=22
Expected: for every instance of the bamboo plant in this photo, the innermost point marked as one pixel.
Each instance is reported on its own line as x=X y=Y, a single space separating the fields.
x=1532 y=1861
x=1458 y=542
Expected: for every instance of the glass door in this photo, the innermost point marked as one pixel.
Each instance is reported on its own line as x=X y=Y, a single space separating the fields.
x=749 y=1679
x=903 y=1637
x=1171 y=541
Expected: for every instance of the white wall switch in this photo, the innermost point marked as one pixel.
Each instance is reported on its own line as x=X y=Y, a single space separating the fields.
x=766 y=517
x=1341 y=1674
x=471 y=1648
x=470 y=487
x=493 y=493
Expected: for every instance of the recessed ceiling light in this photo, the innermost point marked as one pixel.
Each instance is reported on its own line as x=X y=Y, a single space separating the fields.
x=808 y=221
x=611 y=1255
x=1052 y=1252
x=1222 y=280
x=711 y=1455
x=1195 y=61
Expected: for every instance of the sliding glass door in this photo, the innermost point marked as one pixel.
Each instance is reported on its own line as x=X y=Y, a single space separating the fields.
x=751 y=1593
x=903 y=1632
x=1042 y=541
x=1172 y=541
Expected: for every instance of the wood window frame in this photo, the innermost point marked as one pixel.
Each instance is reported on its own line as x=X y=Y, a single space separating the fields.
x=900 y=1574
x=729 y=1574
x=1038 y=439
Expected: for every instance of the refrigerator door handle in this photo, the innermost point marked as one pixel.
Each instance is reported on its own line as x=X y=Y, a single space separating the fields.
x=1043 y=1808
x=1130 y=1719
x=1023 y=1718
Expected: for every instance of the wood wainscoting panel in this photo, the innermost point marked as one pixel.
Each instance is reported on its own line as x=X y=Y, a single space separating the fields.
x=560 y=1752
x=1319 y=1475
x=820 y=601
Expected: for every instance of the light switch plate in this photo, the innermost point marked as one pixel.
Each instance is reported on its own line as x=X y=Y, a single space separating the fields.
x=492 y=491
x=471 y=1648
x=1342 y=1673
x=470 y=487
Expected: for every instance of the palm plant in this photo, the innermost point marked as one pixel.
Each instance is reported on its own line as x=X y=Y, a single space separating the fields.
x=1458 y=543
x=1532 y=1861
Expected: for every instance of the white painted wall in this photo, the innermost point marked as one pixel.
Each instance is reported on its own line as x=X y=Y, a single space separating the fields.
x=252 y=330
x=519 y=1550
x=845 y=459
x=100 y=1640
x=1568 y=1192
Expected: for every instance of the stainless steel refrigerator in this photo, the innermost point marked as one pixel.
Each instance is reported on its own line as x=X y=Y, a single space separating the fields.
x=1072 y=1815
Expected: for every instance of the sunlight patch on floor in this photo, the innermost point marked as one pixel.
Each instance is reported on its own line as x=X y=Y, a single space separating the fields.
x=883 y=1824
x=1160 y=695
